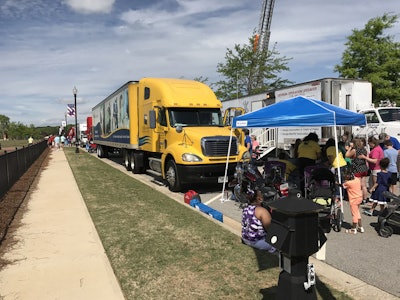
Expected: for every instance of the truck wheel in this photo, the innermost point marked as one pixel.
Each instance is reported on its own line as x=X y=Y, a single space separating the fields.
x=100 y=152
x=172 y=177
x=127 y=160
x=135 y=166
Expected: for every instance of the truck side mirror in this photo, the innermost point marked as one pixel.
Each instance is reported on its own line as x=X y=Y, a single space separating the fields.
x=152 y=115
x=178 y=128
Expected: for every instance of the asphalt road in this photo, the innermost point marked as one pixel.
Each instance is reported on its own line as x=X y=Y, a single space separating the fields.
x=366 y=256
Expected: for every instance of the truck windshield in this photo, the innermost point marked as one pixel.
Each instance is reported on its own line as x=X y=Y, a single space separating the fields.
x=390 y=114
x=195 y=117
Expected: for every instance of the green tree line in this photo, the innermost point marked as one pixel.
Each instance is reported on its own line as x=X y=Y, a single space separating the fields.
x=18 y=131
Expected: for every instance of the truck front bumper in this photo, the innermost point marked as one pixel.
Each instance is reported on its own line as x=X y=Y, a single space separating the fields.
x=204 y=173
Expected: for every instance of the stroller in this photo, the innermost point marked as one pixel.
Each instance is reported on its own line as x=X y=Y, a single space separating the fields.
x=321 y=189
x=274 y=176
x=389 y=219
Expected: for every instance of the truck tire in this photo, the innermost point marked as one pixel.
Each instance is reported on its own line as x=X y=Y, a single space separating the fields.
x=100 y=152
x=172 y=176
x=135 y=163
x=127 y=159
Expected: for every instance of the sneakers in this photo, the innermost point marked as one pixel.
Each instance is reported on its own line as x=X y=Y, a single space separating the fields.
x=351 y=231
x=368 y=213
x=360 y=229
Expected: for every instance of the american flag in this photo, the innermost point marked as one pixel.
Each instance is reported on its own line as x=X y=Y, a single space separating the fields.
x=71 y=109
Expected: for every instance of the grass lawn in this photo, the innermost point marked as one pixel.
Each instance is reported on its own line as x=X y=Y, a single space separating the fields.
x=160 y=249
x=10 y=145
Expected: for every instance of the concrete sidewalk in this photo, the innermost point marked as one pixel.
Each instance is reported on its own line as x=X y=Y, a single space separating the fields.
x=58 y=253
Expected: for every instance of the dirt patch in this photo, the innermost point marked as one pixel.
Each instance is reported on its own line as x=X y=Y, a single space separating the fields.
x=11 y=204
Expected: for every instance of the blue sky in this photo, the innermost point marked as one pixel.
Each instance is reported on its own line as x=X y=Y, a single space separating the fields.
x=49 y=46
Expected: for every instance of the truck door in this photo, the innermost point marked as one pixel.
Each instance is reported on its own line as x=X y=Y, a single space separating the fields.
x=229 y=114
x=162 y=129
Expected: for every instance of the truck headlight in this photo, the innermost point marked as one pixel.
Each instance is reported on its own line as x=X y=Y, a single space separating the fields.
x=190 y=157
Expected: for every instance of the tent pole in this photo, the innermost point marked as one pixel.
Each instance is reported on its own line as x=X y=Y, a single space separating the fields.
x=226 y=167
x=337 y=161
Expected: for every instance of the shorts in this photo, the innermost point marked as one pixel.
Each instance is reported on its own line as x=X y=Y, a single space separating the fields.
x=361 y=174
x=375 y=172
x=393 y=179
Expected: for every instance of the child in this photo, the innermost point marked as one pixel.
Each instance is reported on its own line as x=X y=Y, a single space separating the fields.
x=383 y=181
x=392 y=154
x=353 y=186
x=255 y=221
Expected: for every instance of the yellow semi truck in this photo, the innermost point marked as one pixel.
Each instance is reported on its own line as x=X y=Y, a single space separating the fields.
x=168 y=127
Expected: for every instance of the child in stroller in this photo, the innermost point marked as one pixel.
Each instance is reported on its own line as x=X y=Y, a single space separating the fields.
x=321 y=188
x=389 y=219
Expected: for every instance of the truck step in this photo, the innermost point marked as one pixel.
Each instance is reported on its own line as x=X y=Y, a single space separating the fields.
x=152 y=172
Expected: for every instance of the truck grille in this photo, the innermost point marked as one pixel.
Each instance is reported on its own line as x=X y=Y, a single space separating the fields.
x=218 y=146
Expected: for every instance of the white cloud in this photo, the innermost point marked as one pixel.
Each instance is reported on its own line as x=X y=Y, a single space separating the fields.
x=91 y=6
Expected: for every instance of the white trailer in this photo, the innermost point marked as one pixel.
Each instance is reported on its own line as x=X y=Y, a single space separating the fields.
x=351 y=94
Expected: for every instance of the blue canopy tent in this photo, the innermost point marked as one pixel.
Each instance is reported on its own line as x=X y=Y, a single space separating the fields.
x=299 y=111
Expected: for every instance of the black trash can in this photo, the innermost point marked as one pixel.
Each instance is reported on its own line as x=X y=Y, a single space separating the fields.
x=296 y=233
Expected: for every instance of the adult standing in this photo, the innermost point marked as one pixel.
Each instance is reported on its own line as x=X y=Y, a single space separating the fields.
x=384 y=137
x=357 y=152
x=247 y=141
x=373 y=158
x=336 y=163
x=62 y=141
x=57 y=142
x=309 y=152
x=395 y=144
x=255 y=146
x=392 y=154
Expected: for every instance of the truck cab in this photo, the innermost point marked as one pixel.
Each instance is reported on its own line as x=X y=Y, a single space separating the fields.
x=380 y=119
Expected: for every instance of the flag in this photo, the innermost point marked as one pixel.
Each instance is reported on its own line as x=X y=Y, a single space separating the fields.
x=71 y=109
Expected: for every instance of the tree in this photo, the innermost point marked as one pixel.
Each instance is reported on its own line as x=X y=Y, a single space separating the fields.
x=373 y=56
x=4 y=124
x=248 y=71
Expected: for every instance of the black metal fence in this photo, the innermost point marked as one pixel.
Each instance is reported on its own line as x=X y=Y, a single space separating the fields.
x=14 y=164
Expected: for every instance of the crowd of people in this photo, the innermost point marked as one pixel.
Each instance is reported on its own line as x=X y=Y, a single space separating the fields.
x=59 y=141
x=367 y=169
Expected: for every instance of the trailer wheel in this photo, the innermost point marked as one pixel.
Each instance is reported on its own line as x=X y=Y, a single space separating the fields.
x=100 y=152
x=127 y=160
x=172 y=177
